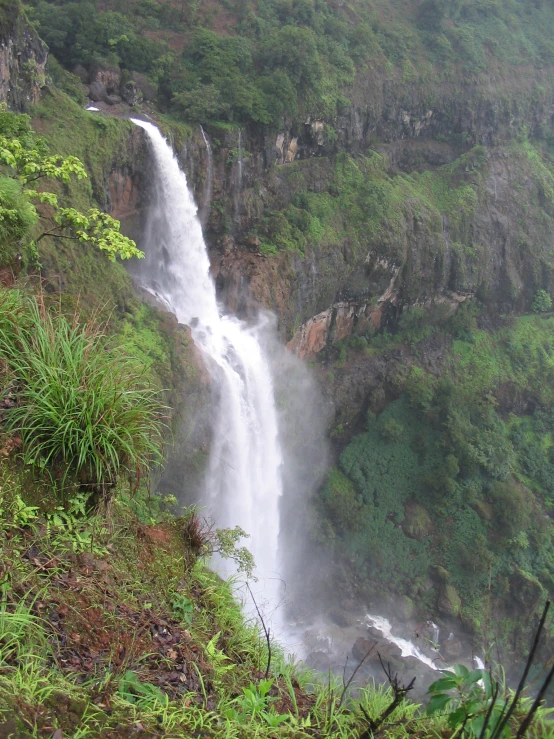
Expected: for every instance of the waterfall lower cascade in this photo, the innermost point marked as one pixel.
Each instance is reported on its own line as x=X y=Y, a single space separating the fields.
x=406 y=647
x=243 y=483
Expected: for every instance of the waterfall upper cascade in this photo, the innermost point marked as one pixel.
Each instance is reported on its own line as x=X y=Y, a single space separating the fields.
x=243 y=483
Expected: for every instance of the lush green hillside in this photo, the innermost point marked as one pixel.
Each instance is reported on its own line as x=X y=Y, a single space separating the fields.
x=255 y=62
x=454 y=479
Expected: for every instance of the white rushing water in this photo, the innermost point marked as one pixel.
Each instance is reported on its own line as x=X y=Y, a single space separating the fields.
x=243 y=483
x=406 y=647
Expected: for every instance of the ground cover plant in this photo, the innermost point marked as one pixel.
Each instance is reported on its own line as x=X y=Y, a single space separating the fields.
x=77 y=405
x=110 y=623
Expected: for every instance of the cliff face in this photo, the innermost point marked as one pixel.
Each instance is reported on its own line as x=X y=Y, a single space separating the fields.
x=451 y=201
x=494 y=238
x=22 y=60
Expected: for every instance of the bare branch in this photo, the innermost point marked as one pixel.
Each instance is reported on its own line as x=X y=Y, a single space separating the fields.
x=266 y=631
x=353 y=675
x=399 y=694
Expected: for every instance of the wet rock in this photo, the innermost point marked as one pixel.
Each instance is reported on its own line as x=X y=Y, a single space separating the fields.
x=449 y=601
x=97 y=92
x=110 y=77
x=452 y=647
x=341 y=617
x=131 y=93
x=113 y=99
x=319 y=661
x=362 y=647
x=374 y=633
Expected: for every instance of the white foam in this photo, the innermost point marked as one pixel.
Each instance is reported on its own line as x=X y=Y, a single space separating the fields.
x=406 y=647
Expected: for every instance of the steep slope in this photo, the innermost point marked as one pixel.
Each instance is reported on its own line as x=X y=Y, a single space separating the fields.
x=382 y=177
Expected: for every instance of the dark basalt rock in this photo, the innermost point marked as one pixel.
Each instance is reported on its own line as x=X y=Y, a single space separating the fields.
x=97 y=92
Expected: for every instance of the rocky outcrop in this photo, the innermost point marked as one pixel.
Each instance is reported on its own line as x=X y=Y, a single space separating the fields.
x=499 y=250
x=449 y=602
x=22 y=59
x=125 y=192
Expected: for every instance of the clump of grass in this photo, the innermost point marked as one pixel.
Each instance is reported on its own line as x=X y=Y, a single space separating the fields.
x=82 y=409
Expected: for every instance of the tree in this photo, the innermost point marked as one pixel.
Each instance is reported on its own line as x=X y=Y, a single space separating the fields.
x=27 y=163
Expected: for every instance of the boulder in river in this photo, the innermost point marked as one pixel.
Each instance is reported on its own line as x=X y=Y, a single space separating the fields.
x=362 y=647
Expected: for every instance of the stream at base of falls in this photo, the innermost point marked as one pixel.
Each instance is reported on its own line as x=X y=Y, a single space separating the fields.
x=245 y=473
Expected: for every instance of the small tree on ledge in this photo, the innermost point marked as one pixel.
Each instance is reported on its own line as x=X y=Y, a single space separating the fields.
x=25 y=161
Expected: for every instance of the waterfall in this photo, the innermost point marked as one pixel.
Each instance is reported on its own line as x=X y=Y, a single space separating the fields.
x=243 y=481
x=208 y=190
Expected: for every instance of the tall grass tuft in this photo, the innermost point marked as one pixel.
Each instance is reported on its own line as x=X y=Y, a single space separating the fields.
x=82 y=410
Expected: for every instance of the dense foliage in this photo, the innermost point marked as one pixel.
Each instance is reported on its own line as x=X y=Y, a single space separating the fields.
x=263 y=60
x=24 y=202
x=457 y=473
x=78 y=407
x=164 y=648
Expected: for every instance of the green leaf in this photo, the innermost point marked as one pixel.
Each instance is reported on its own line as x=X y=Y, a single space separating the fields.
x=461 y=671
x=438 y=703
x=488 y=685
x=457 y=717
x=474 y=676
x=445 y=683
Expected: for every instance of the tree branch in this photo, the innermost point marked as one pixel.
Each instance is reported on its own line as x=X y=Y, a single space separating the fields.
x=353 y=675
x=266 y=631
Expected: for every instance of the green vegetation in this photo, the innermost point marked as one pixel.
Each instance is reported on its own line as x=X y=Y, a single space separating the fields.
x=79 y=407
x=455 y=478
x=25 y=203
x=267 y=60
x=110 y=622
x=369 y=209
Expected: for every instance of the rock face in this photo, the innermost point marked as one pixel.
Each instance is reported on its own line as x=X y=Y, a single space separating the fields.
x=449 y=602
x=499 y=249
x=362 y=647
x=335 y=289
x=22 y=61
x=126 y=189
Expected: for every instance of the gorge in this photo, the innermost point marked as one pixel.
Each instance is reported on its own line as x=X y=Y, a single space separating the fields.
x=336 y=329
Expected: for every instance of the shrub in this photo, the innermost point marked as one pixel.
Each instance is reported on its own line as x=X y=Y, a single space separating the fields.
x=392 y=430
x=512 y=508
x=81 y=410
x=17 y=217
x=542 y=302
